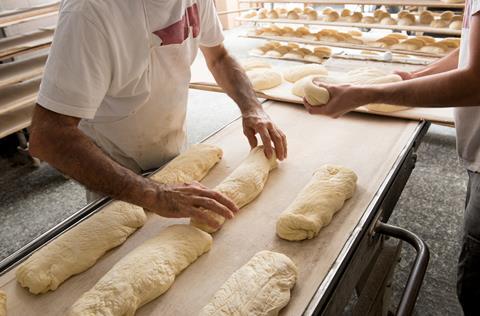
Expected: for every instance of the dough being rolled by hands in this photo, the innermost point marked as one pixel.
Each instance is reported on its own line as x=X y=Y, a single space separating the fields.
x=3 y=303
x=315 y=205
x=145 y=273
x=316 y=95
x=244 y=184
x=79 y=248
x=261 y=287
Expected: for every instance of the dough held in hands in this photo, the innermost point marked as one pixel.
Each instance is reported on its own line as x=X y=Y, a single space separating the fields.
x=79 y=248
x=244 y=184
x=298 y=88
x=317 y=202
x=263 y=79
x=295 y=73
x=261 y=287
x=145 y=273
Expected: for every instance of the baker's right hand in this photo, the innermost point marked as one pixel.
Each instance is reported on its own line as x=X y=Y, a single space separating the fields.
x=192 y=200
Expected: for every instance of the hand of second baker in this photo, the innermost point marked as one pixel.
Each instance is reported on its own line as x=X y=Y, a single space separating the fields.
x=343 y=99
x=258 y=122
x=192 y=200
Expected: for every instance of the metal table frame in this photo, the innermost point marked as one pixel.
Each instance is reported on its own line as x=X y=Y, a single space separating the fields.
x=366 y=234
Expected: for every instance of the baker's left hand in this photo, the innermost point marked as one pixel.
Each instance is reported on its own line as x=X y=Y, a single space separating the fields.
x=257 y=121
x=343 y=99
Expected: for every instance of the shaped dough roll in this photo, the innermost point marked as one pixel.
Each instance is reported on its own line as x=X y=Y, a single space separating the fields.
x=79 y=248
x=295 y=73
x=3 y=303
x=244 y=184
x=145 y=273
x=261 y=287
x=315 y=205
x=264 y=78
x=191 y=165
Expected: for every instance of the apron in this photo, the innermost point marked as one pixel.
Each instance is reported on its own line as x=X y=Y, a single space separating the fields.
x=156 y=131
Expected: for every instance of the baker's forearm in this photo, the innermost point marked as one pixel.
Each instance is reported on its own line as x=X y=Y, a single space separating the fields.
x=455 y=88
x=66 y=148
x=444 y=64
x=232 y=78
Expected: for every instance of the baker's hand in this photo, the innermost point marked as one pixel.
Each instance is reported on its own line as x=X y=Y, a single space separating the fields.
x=191 y=200
x=405 y=75
x=258 y=121
x=343 y=98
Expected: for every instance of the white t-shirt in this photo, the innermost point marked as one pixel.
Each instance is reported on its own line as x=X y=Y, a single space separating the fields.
x=467 y=119
x=123 y=66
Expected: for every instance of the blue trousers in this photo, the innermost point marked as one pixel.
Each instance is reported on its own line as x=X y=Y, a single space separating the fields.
x=468 y=278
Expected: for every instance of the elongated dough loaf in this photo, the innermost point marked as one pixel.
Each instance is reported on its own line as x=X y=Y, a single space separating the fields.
x=145 y=273
x=261 y=287
x=295 y=73
x=191 y=165
x=244 y=184
x=315 y=205
x=3 y=303
x=79 y=248
x=264 y=78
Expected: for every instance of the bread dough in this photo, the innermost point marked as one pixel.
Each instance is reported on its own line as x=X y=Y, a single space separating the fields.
x=317 y=202
x=255 y=64
x=79 y=248
x=295 y=73
x=388 y=21
x=191 y=165
x=263 y=79
x=3 y=303
x=456 y=25
x=298 y=88
x=145 y=273
x=261 y=287
x=244 y=184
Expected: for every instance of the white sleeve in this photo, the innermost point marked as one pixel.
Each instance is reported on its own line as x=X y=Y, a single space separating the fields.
x=78 y=70
x=210 y=26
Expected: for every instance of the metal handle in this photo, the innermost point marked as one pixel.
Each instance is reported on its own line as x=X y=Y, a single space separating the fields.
x=415 y=279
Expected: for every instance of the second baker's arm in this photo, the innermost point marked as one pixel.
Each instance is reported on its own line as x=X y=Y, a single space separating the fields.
x=446 y=63
x=232 y=78
x=453 y=88
x=55 y=138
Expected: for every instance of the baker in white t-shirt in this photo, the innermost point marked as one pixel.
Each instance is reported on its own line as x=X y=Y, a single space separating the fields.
x=451 y=81
x=113 y=97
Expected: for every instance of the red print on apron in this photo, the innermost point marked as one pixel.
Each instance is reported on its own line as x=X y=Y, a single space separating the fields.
x=177 y=32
